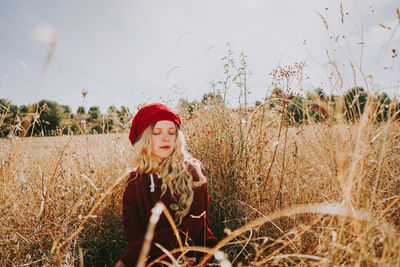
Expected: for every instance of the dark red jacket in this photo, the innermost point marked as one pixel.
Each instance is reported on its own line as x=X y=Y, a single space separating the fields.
x=138 y=200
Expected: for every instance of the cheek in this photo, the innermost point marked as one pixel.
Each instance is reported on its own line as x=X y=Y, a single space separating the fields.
x=174 y=140
x=154 y=141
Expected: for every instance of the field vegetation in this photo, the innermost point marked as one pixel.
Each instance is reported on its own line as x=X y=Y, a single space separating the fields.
x=295 y=179
x=323 y=193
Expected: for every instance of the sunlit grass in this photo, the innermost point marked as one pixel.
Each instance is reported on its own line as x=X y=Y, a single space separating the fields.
x=324 y=192
x=334 y=201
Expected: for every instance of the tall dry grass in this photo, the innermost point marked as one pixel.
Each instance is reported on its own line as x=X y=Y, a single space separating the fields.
x=330 y=197
x=320 y=194
x=48 y=186
x=351 y=168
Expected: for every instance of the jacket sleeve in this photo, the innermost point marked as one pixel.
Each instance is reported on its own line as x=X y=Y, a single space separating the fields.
x=195 y=225
x=133 y=228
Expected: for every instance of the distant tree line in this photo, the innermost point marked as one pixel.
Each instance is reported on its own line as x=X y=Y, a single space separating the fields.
x=48 y=118
x=320 y=107
x=317 y=106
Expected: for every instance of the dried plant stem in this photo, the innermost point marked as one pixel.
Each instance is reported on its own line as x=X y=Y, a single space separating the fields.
x=324 y=208
x=279 y=193
x=275 y=150
x=42 y=211
x=182 y=250
x=56 y=248
x=156 y=212
x=148 y=237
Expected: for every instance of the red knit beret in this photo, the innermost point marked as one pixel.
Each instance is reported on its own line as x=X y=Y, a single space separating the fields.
x=148 y=115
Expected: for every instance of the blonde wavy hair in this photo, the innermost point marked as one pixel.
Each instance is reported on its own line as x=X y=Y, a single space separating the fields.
x=174 y=170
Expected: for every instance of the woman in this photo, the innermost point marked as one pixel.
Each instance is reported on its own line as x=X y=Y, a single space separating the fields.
x=164 y=172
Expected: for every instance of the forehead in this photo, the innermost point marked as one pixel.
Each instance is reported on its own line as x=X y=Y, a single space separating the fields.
x=165 y=124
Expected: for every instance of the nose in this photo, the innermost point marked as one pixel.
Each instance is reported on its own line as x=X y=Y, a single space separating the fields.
x=165 y=137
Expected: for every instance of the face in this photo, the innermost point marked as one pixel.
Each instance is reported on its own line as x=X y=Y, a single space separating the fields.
x=163 y=139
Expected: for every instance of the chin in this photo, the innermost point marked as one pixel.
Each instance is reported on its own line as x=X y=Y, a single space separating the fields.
x=163 y=156
x=166 y=156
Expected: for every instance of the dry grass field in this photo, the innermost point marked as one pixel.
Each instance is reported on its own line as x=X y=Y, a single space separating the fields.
x=318 y=194
x=48 y=186
x=312 y=194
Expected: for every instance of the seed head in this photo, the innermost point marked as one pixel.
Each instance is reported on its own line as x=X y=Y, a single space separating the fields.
x=84 y=92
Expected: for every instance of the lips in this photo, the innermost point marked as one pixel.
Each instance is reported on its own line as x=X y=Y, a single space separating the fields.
x=165 y=147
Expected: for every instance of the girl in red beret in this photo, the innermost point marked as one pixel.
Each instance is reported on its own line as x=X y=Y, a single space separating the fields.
x=164 y=172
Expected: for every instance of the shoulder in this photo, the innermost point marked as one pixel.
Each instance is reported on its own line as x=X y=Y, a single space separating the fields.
x=134 y=179
x=133 y=175
x=134 y=184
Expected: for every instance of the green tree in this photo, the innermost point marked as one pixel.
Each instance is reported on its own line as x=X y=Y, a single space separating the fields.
x=124 y=110
x=211 y=97
x=67 y=109
x=94 y=113
x=354 y=100
x=275 y=98
x=295 y=110
x=8 y=112
x=95 y=119
x=318 y=104
x=123 y=115
x=319 y=92
x=111 y=119
x=81 y=110
x=186 y=106
x=383 y=107
x=112 y=109
x=51 y=114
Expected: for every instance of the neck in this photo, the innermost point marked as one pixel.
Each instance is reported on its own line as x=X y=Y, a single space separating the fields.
x=157 y=159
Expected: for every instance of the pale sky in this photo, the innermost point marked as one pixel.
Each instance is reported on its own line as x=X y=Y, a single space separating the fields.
x=126 y=52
